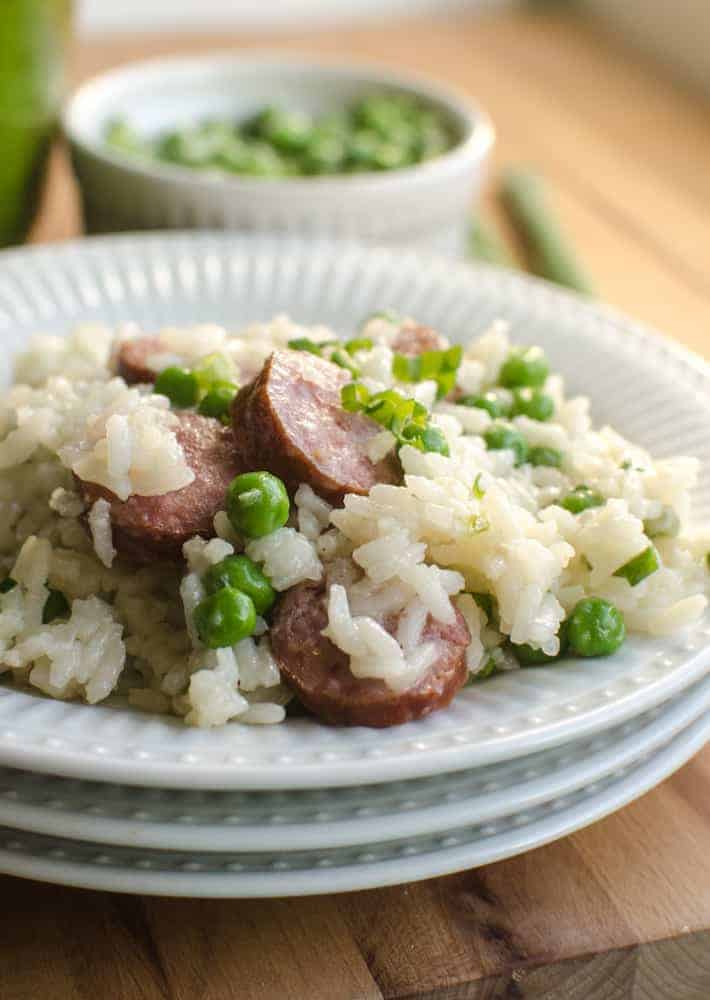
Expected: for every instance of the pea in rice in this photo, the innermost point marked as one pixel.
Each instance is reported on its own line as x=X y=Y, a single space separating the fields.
x=516 y=510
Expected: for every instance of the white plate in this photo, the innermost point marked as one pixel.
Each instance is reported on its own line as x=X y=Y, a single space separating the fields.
x=123 y=815
x=231 y=875
x=232 y=279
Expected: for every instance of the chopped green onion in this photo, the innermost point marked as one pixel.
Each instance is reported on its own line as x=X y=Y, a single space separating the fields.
x=212 y=369
x=343 y=360
x=354 y=397
x=666 y=525
x=406 y=368
x=641 y=566
x=477 y=489
x=441 y=366
x=404 y=417
x=384 y=406
x=305 y=344
x=426 y=439
x=359 y=344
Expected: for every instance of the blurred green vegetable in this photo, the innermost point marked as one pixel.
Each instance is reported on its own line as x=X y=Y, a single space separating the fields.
x=378 y=132
x=486 y=244
x=551 y=255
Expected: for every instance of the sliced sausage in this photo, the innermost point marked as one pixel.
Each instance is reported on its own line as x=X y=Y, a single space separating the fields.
x=320 y=674
x=289 y=421
x=131 y=361
x=415 y=339
x=149 y=528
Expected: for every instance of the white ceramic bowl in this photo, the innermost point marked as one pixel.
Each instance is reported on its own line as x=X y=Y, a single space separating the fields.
x=428 y=204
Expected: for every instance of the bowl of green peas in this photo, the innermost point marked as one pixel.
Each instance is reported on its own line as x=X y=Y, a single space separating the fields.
x=273 y=143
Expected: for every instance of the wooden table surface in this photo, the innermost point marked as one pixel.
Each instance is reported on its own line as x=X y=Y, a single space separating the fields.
x=619 y=910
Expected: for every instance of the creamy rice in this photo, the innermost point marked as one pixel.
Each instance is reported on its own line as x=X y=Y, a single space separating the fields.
x=470 y=522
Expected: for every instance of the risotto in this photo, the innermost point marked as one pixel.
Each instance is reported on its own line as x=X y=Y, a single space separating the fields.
x=224 y=526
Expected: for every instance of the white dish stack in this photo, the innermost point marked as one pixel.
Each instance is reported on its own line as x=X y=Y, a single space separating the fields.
x=109 y=798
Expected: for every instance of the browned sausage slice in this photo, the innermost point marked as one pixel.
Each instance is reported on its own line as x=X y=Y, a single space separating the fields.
x=289 y=421
x=320 y=675
x=131 y=362
x=149 y=528
x=415 y=339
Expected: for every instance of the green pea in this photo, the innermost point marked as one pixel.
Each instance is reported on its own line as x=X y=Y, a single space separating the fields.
x=126 y=139
x=526 y=367
x=377 y=113
x=7 y=585
x=257 y=504
x=432 y=140
x=595 y=628
x=242 y=574
x=187 y=148
x=361 y=150
x=545 y=456
x=641 y=566
x=581 y=498
x=390 y=156
x=532 y=403
x=56 y=606
x=500 y=436
x=217 y=401
x=665 y=525
x=180 y=386
x=324 y=155
x=288 y=131
x=234 y=155
x=224 y=618
x=493 y=403
x=262 y=161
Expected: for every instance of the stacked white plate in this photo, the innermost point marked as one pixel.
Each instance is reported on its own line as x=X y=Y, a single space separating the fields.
x=110 y=798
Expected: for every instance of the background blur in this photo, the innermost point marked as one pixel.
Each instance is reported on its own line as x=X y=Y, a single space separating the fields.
x=606 y=101
x=676 y=32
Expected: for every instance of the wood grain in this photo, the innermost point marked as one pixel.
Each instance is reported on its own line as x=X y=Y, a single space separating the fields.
x=620 y=910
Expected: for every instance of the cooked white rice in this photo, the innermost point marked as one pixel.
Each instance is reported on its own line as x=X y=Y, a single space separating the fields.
x=404 y=550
